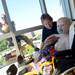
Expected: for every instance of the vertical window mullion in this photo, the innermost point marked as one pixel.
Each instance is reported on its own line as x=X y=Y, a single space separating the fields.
x=43 y=6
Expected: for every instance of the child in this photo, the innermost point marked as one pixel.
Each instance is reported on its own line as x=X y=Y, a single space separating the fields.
x=49 y=26
x=63 y=25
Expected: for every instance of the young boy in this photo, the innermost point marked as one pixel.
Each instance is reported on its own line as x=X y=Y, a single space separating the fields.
x=48 y=29
x=63 y=25
x=49 y=26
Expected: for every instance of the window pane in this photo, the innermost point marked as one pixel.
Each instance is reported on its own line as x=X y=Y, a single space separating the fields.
x=29 y=41
x=54 y=8
x=1 y=9
x=25 y=13
x=36 y=37
x=7 y=52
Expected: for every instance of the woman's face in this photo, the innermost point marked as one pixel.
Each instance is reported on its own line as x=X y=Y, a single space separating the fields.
x=47 y=23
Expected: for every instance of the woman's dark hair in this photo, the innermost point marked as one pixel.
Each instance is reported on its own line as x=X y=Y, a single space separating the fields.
x=46 y=16
x=12 y=70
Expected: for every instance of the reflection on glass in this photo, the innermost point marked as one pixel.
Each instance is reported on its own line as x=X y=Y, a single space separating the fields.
x=7 y=52
x=36 y=37
x=28 y=43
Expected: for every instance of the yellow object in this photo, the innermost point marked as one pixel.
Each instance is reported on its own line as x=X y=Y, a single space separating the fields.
x=47 y=63
x=31 y=73
x=28 y=49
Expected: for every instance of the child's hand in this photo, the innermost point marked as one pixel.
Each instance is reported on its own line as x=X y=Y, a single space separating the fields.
x=51 y=40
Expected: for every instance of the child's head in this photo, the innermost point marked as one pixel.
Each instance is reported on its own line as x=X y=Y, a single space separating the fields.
x=20 y=59
x=47 y=20
x=63 y=25
x=12 y=70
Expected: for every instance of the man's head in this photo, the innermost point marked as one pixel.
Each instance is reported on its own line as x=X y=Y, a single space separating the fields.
x=63 y=25
x=47 y=20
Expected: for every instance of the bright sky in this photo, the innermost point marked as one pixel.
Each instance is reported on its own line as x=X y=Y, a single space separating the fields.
x=26 y=13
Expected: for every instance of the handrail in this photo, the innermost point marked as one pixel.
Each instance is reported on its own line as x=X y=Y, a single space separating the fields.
x=8 y=35
x=28 y=30
x=5 y=36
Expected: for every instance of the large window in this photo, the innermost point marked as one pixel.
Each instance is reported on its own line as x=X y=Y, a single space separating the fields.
x=25 y=13
x=54 y=8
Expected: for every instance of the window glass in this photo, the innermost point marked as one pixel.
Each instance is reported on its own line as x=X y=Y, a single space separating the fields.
x=25 y=13
x=4 y=28
x=29 y=41
x=54 y=8
x=1 y=10
x=7 y=52
x=36 y=37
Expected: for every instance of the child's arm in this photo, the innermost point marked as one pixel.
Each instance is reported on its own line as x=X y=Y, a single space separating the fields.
x=51 y=39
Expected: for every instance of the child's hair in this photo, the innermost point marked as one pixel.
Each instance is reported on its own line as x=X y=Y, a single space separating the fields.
x=66 y=23
x=46 y=16
x=12 y=70
x=20 y=59
x=66 y=19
